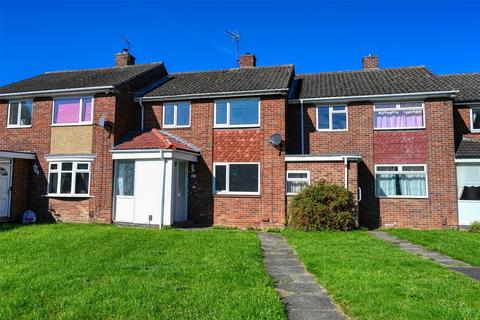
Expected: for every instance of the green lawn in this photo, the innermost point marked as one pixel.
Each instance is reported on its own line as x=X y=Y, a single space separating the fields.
x=373 y=279
x=460 y=245
x=93 y=271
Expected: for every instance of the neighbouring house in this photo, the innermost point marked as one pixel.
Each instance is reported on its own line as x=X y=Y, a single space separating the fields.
x=134 y=144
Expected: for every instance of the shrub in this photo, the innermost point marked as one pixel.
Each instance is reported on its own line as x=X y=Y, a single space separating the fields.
x=323 y=206
x=474 y=227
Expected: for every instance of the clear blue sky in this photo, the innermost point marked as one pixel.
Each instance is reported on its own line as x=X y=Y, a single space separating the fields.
x=316 y=36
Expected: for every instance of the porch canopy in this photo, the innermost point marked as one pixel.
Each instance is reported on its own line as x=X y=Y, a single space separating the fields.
x=17 y=155
x=151 y=178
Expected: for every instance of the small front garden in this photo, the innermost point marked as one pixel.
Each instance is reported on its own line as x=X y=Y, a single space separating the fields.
x=461 y=245
x=372 y=279
x=106 y=272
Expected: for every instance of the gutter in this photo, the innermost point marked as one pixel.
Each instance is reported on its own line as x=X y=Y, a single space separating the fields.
x=142 y=113
x=378 y=97
x=43 y=93
x=215 y=95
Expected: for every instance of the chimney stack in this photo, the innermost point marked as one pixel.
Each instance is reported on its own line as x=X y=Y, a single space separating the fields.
x=247 y=60
x=124 y=58
x=370 y=62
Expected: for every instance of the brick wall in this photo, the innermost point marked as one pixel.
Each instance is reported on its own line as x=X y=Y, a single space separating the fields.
x=233 y=145
x=461 y=116
x=433 y=146
x=19 y=194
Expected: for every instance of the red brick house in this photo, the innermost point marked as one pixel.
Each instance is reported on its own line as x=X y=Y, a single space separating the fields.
x=134 y=144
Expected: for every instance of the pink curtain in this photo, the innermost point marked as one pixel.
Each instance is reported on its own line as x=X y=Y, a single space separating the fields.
x=399 y=119
x=66 y=111
x=87 y=110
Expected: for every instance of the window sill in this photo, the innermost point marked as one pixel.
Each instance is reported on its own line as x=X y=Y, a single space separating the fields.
x=401 y=197
x=176 y=127
x=328 y=130
x=235 y=195
x=474 y=130
x=19 y=127
x=237 y=126
x=83 y=196
x=70 y=124
x=399 y=129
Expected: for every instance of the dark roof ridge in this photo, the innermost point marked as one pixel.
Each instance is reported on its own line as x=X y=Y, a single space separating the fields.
x=104 y=68
x=232 y=69
x=363 y=70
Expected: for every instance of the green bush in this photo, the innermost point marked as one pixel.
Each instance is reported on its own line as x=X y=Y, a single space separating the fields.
x=323 y=206
x=474 y=227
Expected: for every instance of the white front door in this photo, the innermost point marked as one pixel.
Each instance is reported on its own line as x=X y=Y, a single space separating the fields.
x=5 y=185
x=181 y=191
x=124 y=191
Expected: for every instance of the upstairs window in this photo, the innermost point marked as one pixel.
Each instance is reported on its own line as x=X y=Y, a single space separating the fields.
x=331 y=118
x=237 y=113
x=296 y=181
x=236 y=178
x=176 y=115
x=404 y=115
x=408 y=181
x=19 y=114
x=475 y=119
x=72 y=111
x=69 y=179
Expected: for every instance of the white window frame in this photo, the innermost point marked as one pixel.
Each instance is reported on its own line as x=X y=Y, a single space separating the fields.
x=19 y=116
x=398 y=108
x=80 y=123
x=175 y=111
x=330 y=116
x=287 y=179
x=227 y=179
x=228 y=125
x=74 y=171
x=472 y=109
x=401 y=171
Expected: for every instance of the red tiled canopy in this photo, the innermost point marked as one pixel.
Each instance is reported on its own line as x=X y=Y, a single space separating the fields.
x=155 y=139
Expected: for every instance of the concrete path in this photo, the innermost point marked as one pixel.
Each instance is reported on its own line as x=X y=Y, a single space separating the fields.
x=301 y=294
x=452 y=264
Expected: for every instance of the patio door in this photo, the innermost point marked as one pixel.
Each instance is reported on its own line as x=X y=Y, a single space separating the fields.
x=5 y=186
x=181 y=191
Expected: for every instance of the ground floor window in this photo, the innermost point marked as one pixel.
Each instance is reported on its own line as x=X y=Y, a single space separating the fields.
x=401 y=181
x=296 y=181
x=124 y=177
x=236 y=178
x=468 y=181
x=69 y=178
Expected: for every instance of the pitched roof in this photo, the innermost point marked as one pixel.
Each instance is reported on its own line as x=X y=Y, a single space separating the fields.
x=87 y=78
x=467 y=83
x=212 y=83
x=368 y=82
x=155 y=139
x=468 y=148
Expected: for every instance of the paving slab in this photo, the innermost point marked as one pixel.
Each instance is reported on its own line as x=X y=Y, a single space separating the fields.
x=301 y=295
x=453 y=264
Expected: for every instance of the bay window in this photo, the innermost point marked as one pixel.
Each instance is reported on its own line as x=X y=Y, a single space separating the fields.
x=176 y=115
x=408 y=181
x=237 y=113
x=69 y=178
x=72 y=111
x=475 y=119
x=236 y=178
x=20 y=113
x=403 y=115
x=331 y=118
x=296 y=181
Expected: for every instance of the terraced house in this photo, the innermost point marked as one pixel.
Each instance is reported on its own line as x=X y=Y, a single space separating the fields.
x=135 y=144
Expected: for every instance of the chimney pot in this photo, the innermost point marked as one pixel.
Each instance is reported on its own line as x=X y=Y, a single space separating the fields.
x=124 y=58
x=370 y=62
x=247 y=60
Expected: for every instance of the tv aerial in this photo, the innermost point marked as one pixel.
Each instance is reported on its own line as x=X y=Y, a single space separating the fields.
x=235 y=36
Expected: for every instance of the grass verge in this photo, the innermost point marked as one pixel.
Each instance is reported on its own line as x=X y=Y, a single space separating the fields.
x=105 y=272
x=459 y=245
x=372 y=279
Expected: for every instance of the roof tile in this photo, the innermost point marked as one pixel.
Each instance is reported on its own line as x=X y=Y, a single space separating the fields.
x=155 y=139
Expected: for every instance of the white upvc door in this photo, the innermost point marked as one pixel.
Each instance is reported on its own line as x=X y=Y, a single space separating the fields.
x=181 y=191
x=5 y=189
x=124 y=191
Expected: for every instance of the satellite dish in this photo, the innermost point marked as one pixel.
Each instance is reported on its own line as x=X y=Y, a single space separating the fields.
x=275 y=139
x=101 y=121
